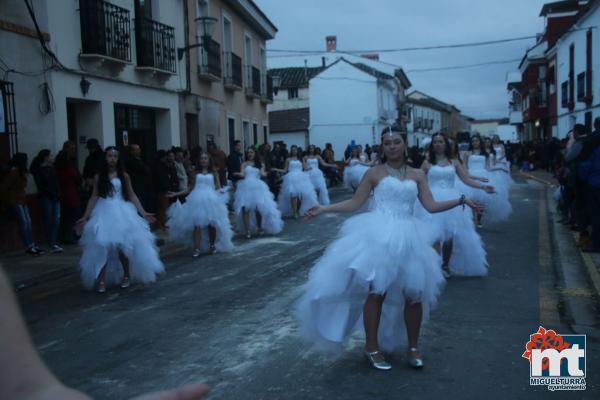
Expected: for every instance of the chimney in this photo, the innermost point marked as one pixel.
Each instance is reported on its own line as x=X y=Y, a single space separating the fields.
x=331 y=43
x=371 y=56
x=323 y=63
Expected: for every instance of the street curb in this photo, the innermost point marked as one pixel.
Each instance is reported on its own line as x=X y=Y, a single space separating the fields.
x=591 y=269
x=535 y=178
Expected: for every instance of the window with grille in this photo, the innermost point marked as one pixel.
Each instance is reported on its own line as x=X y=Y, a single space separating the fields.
x=8 y=122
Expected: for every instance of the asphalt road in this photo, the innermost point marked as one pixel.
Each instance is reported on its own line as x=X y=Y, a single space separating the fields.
x=227 y=320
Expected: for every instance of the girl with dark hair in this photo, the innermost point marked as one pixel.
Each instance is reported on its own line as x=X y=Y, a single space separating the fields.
x=117 y=242
x=458 y=243
x=297 y=194
x=14 y=196
x=480 y=164
x=254 y=203
x=382 y=265
x=356 y=167
x=312 y=161
x=42 y=168
x=204 y=213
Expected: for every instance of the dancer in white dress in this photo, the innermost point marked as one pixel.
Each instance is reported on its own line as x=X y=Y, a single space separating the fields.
x=384 y=254
x=297 y=194
x=480 y=163
x=118 y=245
x=254 y=204
x=501 y=167
x=458 y=243
x=356 y=167
x=204 y=215
x=312 y=162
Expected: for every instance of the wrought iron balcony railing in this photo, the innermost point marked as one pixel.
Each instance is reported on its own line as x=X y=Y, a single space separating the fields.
x=105 y=29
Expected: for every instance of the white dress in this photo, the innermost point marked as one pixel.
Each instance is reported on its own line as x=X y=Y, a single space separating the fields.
x=204 y=207
x=296 y=183
x=503 y=177
x=468 y=255
x=497 y=205
x=318 y=180
x=354 y=172
x=252 y=194
x=384 y=251
x=115 y=225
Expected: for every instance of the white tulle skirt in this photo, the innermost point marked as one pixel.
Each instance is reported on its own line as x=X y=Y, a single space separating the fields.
x=297 y=184
x=204 y=207
x=497 y=205
x=468 y=254
x=318 y=181
x=353 y=175
x=374 y=253
x=253 y=195
x=114 y=226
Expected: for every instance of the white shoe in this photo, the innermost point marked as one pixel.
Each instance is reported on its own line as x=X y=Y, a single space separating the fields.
x=414 y=362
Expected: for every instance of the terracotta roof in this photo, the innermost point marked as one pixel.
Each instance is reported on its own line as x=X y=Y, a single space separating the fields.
x=289 y=120
x=295 y=77
x=371 y=71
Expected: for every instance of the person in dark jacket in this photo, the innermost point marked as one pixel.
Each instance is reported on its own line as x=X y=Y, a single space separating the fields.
x=141 y=177
x=70 y=182
x=44 y=174
x=234 y=162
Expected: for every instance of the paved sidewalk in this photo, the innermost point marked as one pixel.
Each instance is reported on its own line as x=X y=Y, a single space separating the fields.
x=26 y=271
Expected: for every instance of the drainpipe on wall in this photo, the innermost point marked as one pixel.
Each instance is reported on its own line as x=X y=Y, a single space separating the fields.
x=186 y=39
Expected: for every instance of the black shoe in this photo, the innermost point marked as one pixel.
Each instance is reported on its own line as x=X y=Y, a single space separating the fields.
x=35 y=251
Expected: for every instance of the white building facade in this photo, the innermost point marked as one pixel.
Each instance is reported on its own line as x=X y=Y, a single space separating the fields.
x=118 y=80
x=424 y=122
x=578 y=88
x=350 y=103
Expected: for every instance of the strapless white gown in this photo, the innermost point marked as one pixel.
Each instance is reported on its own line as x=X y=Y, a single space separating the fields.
x=386 y=250
x=318 y=180
x=497 y=205
x=296 y=183
x=115 y=225
x=354 y=173
x=204 y=207
x=468 y=255
x=253 y=194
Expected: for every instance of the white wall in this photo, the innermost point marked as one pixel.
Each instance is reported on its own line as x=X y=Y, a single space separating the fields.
x=65 y=29
x=282 y=102
x=485 y=128
x=343 y=107
x=567 y=119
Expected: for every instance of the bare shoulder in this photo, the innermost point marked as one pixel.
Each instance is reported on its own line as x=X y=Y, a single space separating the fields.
x=376 y=173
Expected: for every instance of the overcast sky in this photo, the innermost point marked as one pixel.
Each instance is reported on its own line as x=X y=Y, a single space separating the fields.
x=382 y=24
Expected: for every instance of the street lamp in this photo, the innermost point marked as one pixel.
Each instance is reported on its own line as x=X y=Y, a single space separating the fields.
x=276 y=83
x=205 y=26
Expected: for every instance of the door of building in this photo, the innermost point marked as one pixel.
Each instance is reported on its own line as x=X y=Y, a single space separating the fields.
x=136 y=125
x=192 y=131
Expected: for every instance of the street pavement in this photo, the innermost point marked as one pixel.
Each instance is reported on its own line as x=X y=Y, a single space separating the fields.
x=227 y=320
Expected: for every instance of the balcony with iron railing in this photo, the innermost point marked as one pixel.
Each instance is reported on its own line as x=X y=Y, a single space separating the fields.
x=105 y=32
x=155 y=46
x=266 y=88
x=233 y=71
x=210 y=61
x=252 y=81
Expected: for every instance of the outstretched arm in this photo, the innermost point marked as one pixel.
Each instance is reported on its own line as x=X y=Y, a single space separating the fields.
x=464 y=176
x=29 y=378
x=360 y=197
x=437 y=206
